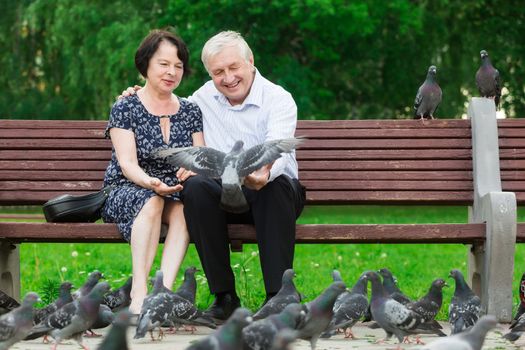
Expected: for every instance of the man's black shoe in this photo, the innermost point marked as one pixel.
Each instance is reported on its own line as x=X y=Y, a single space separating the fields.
x=223 y=306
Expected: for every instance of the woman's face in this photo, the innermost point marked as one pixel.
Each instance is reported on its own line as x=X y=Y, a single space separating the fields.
x=165 y=69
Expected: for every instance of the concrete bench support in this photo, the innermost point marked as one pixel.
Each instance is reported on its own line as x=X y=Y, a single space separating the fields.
x=491 y=265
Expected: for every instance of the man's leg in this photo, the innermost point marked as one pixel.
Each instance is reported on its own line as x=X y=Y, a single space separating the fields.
x=275 y=208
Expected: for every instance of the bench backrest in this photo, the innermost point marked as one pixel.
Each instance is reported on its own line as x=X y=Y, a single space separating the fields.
x=342 y=162
x=511 y=135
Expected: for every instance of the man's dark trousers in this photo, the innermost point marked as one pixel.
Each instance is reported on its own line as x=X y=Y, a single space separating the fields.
x=273 y=211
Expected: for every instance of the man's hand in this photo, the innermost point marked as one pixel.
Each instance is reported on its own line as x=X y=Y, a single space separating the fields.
x=259 y=178
x=184 y=174
x=129 y=91
x=162 y=189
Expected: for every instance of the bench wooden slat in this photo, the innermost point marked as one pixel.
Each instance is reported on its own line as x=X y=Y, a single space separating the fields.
x=374 y=154
x=387 y=165
x=56 y=155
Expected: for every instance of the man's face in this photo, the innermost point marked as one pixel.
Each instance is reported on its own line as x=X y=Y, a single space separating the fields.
x=232 y=75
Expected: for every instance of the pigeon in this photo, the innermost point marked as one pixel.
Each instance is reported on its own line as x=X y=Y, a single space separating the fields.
x=390 y=286
x=469 y=340
x=17 y=323
x=521 y=293
x=119 y=298
x=230 y=167
x=488 y=80
x=320 y=313
x=91 y=282
x=64 y=297
x=349 y=307
x=104 y=318
x=517 y=327
x=394 y=317
x=260 y=334
x=288 y=294
x=116 y=338
x=162 y=306
x=428 y=96
x=283 y=339
x=228 y=336
x=7 y=303
x=465 y=306
x=73 y=319
x=430 y=304
x=188 y=289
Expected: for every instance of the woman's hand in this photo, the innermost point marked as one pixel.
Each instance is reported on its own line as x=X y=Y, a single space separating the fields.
x=162 y=189
x=129 y=91
x=184 y=174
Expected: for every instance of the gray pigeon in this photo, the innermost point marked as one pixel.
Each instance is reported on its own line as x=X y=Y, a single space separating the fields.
x=162 y=306
x=91 y=282
x=73 y=319
x=260 y=334
x=104 y=318
x=116 y=338
x=288 y=294
x=488 y=80
x=349 y=307
x=521 y=293
x=469 y=340
x=64 y=297
x=428 y=96
x=390 y=286
x=394 y=317
x=320 y=313
x=7 y=303
x=430 y=304
x=228 y=336
x=517 y=327
x=465 y=306
x=230 y=167
x=119 y=298
x=188 y=288
x=283 y=339
x=17 y=324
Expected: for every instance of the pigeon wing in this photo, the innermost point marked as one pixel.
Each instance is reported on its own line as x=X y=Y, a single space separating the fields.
x=419 y=98
x=205 y=161
x=265 y=153
x=7 y=327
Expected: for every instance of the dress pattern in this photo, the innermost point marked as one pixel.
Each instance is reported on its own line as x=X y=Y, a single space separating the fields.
x=127 y=199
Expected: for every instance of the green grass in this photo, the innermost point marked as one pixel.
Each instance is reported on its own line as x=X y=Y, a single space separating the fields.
x=414 y=265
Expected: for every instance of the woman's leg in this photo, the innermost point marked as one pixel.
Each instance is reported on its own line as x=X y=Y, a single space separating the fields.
x=176 y=243
x=144 y=242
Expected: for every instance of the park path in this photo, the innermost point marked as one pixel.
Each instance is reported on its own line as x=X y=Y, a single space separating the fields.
x=366 y=340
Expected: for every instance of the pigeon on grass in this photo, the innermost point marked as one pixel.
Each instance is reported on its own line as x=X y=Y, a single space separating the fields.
x=471 y=339
x=17 y=323
x=230 y=167
x=488 y=79
x=428 y=96
x=228 y=336
x=260 y=334
x=465 y=306
x=349 y=307
x=319 y=313
x=394 y=317
x=288 y=294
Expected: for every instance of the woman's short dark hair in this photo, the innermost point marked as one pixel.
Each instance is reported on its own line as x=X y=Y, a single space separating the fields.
x=150 y=45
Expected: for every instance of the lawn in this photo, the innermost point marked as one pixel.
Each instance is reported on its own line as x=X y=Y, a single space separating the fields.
x=44 y=266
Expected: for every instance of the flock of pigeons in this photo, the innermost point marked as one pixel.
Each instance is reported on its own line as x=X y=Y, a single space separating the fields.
x=429 y=94
x=276 y=325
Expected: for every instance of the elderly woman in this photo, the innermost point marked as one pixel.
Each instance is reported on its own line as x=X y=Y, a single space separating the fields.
x=146 y=193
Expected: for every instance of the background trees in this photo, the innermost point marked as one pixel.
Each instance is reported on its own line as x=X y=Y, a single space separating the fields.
x=340 y=59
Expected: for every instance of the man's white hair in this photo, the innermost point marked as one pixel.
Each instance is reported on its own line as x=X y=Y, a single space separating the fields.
x=225 y=39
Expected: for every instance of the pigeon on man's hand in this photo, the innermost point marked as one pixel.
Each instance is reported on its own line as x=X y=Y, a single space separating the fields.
x=349 y=307
x=288 y=294
x=471 y=339
x=230 y=167
x=465 y=306
x=17 y=323
x=319 y=313
x=428 y=96
x=488 y=79
x=228 y=336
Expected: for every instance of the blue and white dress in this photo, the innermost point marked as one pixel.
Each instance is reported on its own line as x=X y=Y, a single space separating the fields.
x=127 y=199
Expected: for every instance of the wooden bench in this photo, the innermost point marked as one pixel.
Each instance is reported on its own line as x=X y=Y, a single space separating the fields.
x=343 y=162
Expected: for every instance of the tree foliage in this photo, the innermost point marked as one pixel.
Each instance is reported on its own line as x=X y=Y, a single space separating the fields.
x=340 y=59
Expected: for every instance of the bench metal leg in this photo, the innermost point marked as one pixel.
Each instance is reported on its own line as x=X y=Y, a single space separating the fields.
x=491 y=266
x=10 y=269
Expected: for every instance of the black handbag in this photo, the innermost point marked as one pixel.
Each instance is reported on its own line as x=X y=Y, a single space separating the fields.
x=69 y=208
